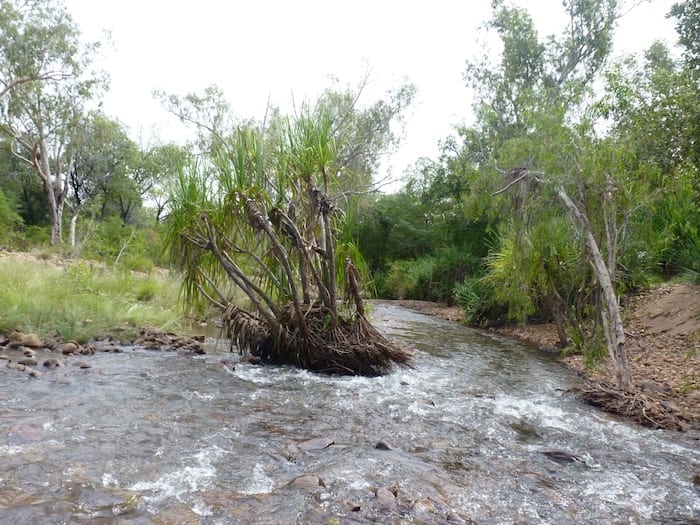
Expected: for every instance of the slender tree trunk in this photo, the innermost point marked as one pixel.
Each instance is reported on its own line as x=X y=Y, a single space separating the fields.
x=54 y=190
x=73 y=223
x=612 y=320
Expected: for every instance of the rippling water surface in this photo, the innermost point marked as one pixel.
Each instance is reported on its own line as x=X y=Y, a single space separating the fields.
x=147 y=437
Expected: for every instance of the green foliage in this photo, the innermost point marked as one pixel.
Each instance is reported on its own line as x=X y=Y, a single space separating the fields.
x=83 y=300
x=129 y=247
x=9 y=221
x=44 y=70
x=478 y=298
x=262 y=217
x=409 y=279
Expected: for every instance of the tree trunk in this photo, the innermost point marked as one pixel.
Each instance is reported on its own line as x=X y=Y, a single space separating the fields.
x=54 y=190
x=612 y=320
x=73 y=223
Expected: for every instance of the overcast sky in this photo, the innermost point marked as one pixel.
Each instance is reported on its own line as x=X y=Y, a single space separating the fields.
x=277 y=49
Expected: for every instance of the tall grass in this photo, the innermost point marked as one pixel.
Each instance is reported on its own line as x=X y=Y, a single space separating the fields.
x=81 y=301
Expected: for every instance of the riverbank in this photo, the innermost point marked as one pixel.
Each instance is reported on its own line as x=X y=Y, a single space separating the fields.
x=662 y=326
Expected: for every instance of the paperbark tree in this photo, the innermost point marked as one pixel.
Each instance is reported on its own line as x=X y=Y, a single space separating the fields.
x=100 y=150
x=610 y=312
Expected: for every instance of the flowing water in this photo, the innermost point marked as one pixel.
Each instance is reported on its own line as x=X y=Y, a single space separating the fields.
x=148 y=437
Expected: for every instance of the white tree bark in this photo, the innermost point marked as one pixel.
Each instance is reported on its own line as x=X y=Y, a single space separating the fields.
x=611 y=317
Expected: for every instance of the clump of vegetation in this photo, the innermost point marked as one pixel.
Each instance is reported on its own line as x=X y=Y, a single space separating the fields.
x=82 y=300
x=264 y=222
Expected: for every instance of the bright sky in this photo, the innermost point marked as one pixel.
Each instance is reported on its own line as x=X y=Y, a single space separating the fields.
x=285 y=49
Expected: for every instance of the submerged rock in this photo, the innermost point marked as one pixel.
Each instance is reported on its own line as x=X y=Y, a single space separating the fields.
x=315 y=444
x=307 y=481
x=561 y=456
x=385 y=445
x=386 y=497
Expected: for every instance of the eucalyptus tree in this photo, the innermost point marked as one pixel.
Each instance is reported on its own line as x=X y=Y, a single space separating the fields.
x=43 y=68
x=160 y=166
x=101 y=150
x=538 y=154
x=259 y=222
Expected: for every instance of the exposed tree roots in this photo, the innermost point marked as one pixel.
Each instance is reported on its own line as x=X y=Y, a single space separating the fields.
x=353 y=347
x=655 y=410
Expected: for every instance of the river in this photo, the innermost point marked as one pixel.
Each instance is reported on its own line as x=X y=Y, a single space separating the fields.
x=481 y=430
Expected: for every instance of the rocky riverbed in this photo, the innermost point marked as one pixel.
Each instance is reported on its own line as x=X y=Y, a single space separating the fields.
x=32 y=355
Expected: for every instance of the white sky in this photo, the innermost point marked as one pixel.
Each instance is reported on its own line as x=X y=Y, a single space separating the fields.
x=256 y=49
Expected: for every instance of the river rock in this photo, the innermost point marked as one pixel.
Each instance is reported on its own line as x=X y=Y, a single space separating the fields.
x=34 y=373
x=28 y=361
x=53 y=363
x=453 y=517
x=315 y=444
x=31 y=341
x=385 y=445
x=70 y=348
x=560 y=456
x=29 y=352
x=306 y=482
x=82 y=364
x=385 y=497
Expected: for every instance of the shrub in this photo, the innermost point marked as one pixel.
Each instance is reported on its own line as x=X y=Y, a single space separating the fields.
x=477 y=297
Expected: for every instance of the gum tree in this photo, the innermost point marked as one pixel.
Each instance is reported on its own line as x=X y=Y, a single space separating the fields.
x=536 y=151
x=44 y=85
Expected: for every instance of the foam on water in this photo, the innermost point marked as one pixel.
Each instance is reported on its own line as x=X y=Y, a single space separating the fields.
x=190 y=478
x=258 y=482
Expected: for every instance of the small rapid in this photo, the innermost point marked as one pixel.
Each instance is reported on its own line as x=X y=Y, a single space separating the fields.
x=481 y=429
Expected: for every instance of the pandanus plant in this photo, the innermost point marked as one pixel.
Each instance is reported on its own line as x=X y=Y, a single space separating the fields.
x=259 y=222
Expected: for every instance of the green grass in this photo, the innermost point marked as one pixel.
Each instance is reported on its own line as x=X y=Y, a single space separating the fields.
x=81 y=300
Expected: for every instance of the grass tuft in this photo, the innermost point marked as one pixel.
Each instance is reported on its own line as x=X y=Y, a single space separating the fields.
x=82 y=301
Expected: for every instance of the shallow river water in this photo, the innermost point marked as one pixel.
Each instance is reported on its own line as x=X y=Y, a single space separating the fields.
x=481 y=429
